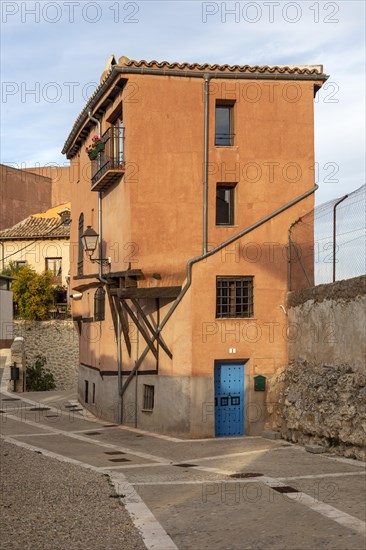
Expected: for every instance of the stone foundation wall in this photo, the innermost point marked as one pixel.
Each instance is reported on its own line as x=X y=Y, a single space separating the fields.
x=58 y=342
x=321 y=396
x=324 y=404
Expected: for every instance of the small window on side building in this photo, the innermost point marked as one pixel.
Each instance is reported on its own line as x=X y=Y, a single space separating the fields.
x=99 y=304
x=224 y=123
x=225 y=196
x=148 y=398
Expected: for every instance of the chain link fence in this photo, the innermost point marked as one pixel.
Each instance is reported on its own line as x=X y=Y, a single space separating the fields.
x=329 y=243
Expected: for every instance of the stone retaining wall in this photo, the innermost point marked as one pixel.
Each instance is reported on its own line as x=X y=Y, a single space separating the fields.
x=58 y=342
x=321 y=396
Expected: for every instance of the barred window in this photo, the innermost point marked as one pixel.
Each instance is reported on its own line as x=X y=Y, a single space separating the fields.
x=148 y=397
x=234 y=297
x=99 y=304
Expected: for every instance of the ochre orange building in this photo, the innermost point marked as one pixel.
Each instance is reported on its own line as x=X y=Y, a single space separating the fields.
x=200 y=173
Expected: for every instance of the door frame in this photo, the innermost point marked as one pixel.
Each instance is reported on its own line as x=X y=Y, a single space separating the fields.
x=235 y=361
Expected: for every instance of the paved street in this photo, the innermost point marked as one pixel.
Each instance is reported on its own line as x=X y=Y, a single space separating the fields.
x=182 y=493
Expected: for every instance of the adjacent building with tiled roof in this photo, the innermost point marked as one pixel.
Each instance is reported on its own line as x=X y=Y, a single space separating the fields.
x=190 y=176
x=31 y=190
x=42 y=241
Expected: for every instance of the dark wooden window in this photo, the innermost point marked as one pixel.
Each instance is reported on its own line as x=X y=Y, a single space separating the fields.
x=80 y=245
x=93 y=393
x=148 y=397
x=86 y=391
x=224 y=123
x=99 y=304
x=234 y=297
x=225 y=204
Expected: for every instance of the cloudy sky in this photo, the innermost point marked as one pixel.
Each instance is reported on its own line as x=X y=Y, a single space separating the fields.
x=53 y=52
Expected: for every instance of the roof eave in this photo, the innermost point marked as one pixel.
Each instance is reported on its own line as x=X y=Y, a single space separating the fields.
x=116 y=69
x=45 y=238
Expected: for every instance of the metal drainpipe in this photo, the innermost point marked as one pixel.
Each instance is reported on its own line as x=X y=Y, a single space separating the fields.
x=2 y=255
x=205 y=162
x=289 y=255
x=119 y=365
x=104 y=281
x=204 y=256
x=136 y=377
x=335 y=234
x=100 y=228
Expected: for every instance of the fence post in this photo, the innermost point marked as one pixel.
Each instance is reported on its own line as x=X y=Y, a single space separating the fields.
x=335 y=234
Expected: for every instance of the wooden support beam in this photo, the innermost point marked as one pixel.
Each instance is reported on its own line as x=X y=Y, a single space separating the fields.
x=124 y=325
x=113 y=303
x=113 y=311
x=141 y=328
x=151 y=292
x=85 y=286
x=151 y=327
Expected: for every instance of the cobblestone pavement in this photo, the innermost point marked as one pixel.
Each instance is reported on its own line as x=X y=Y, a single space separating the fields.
x=48 y=504
x=179 y=493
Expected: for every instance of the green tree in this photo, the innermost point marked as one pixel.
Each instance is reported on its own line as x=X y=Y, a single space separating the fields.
x=12 y=269
x=33 y=292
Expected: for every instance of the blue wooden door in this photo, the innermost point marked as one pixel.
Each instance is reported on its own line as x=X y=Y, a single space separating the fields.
x=229 y=399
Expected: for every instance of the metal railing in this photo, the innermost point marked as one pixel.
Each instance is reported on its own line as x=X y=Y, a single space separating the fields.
x=112 y=157
x=329 y=243
x=224 y=139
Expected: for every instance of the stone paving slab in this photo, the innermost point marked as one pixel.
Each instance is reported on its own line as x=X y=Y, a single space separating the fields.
x=184 y=450
x=80 y=450
x=344 y=493
x=65 y=420
x=218 y=517
x=61 y=396
x=169 y=474
x=9 y=426
x=206 y=509
x=280 y=462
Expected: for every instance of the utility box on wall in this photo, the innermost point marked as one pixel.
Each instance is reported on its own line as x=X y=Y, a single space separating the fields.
x=259 y=383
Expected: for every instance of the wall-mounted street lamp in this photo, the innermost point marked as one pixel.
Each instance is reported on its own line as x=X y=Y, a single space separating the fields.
x=90 y=241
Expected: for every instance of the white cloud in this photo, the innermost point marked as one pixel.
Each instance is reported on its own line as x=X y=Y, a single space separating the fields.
x=77 y=52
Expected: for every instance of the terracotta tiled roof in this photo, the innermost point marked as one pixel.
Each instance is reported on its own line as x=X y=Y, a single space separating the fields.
x=37 y=228
x=261 y=69
x=124 y=63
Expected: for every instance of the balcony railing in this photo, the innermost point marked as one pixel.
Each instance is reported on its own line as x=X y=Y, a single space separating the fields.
x=109 y=165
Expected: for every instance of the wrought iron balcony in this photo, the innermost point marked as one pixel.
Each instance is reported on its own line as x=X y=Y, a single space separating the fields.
x=109 y=166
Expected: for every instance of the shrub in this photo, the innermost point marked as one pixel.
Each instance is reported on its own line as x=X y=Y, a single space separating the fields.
x=38 y=377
